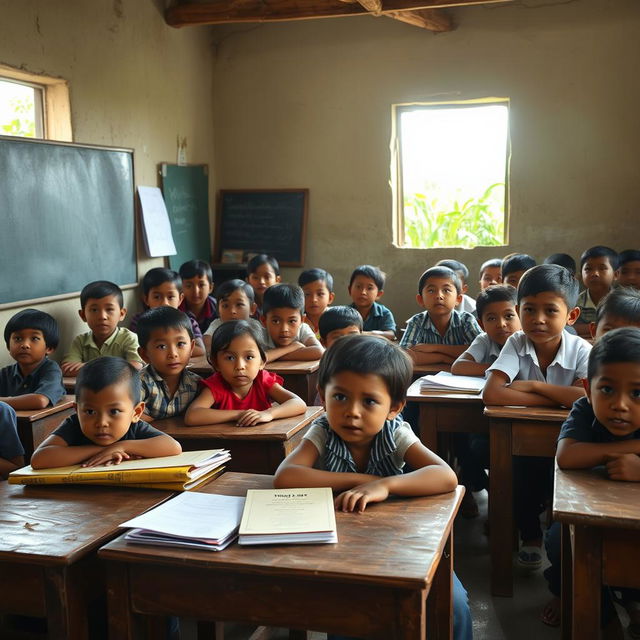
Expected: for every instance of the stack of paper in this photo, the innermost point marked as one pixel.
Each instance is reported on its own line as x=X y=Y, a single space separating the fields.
x=190 y=520
x=445 y=382
x=299 y=516
x=183 y=472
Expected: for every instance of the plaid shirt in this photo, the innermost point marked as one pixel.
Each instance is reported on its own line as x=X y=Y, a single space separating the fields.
x=462 y=329
x=156 y=394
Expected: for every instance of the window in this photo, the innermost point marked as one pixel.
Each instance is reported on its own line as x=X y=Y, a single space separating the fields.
x=450 y=174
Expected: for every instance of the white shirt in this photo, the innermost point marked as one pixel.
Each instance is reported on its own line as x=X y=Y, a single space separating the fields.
x=483 y=349
x=467 y=304
x=303 y=336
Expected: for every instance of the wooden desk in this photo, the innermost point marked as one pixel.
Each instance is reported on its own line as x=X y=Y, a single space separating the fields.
x=387 y=562
x=34 y=425
x=513 y=431
x=48 y=539
x=603 y=517
x=258 y=449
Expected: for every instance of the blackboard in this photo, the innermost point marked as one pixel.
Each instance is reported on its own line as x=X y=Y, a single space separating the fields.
x=67 y=214
x=186 y=194
x=263 y=221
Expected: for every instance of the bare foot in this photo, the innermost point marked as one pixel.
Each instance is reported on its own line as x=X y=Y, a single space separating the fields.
x=551 y=613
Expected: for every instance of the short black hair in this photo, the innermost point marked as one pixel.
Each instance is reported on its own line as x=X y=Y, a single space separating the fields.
x=619 y=345
x=621 y=302
x=338 y=317
x=517 y=262
x=549 y=277
x=259 y=260
x=161 y=318
x=196 y=268
x=440 y=272
x=457 y=266
x=102 y=372
x=227 y=331
x=369 y=271
x=495 y=293
x=564 y=260
x=313 y=275
x=283 y=295
x=365 y=354
x=628 y=255
x=228 y=287
x=159 y=275
x=34 y=319
x=493 y=262
x=600 y=251
x=101 y=289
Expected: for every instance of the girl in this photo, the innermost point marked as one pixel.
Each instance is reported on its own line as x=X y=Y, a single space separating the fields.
x=240 y=390
x=262 y=272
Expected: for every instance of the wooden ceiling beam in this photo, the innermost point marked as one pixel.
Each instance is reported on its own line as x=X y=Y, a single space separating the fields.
x=424 y=18
x=230 y=11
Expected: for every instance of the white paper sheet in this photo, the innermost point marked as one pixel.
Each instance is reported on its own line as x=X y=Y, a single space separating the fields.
x=155 y=222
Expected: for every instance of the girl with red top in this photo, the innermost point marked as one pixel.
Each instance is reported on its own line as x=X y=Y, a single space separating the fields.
x=240 y=390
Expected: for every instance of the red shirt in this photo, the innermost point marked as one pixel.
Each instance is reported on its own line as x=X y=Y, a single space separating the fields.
x=257 y=398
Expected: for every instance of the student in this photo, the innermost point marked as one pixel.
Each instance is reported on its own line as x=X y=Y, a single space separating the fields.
x=619 y=308
x=490 y=273
x=240 y=390
x=262 y=272
x=564 y=260
x=197 y=285
x=11 y=449
x=288 y=338
x=603 y=429
x=236 y=301
x=366 y=287
x=34 y=381
x=106 y=428
x=629 y=266
x=542 y=365
x=166 y=343
x=163 y=288
x=440 y=333
x=336 y=322
x=468 y=303
x=317 y=285
x=498 y=317
x=359 y=448
x=599 y=268
x=102 y=309
x=514 y=265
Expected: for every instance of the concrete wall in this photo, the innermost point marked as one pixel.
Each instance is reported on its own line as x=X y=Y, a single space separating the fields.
x=134 y=82
x=308 y=104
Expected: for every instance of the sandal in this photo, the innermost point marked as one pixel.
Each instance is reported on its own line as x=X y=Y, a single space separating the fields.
x=551 y=613
x=530 y=557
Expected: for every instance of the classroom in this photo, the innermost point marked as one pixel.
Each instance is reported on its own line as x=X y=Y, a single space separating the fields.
x=308 y=104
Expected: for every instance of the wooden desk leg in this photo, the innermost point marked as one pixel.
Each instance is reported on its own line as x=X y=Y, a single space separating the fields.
x=501 y=508
x=210 y=630
x=428 y=426
x=587 y=583
x=566 y=581
x=411 y=615
x=66 y=607
x=440 y=598
x=120 y=616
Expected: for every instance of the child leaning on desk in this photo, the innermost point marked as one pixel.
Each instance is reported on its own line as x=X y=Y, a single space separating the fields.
x=106 y=428
x=362 y=444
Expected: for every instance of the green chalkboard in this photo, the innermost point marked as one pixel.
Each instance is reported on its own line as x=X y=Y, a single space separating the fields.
x=186 y=195
x=67 y=218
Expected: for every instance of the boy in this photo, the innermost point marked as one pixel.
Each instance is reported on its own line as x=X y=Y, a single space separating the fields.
x=337 y=322
x=197 y=285
x=163 y=288
x=34 y=381
x=317 y=285
x=440 y=333
x=599 y=269
x=288 y=338
x=514 y=265
x=490 y=273
x=542 y=365
x=166 y=343
x=366 y=286
x=106 y=428
x=564 y=260
x=629 y=266
x=468 y=303
x=619 y=308
x=361 y=445
x=11 y=450
x=102 y=309
x=497 y=315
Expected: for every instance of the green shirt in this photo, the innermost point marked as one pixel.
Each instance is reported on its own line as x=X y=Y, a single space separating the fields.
x=121 y=343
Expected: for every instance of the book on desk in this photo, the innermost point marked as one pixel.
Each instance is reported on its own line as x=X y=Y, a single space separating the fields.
x=445 y=382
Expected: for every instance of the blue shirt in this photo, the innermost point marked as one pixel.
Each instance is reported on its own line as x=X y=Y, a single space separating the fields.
x=45 y=379
x=10 y=445
x=462 y=329
x=379 y=319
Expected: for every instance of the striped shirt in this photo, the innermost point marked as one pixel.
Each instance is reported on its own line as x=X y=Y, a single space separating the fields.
x=462 y=329
x=155 y=393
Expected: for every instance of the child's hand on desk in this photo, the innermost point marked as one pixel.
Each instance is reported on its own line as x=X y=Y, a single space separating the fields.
x=623 y=466
x=113 y=454
x=71 y=368
x=359 y=497
x=251 y=417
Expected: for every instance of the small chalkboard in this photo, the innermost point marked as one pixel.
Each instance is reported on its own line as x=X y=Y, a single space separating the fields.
x=263 y=221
